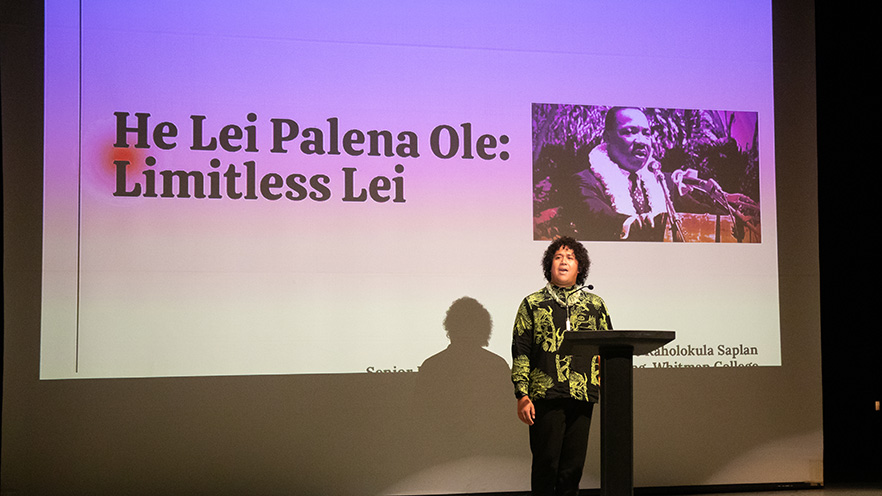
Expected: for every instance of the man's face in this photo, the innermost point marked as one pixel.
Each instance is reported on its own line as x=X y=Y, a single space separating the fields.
x=630 y=143
x=564 y=268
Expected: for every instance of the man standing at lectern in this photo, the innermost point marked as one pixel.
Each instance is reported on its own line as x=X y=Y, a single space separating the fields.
x=556 y=393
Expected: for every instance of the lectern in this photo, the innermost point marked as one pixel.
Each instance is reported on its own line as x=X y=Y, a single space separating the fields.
x=616 y=350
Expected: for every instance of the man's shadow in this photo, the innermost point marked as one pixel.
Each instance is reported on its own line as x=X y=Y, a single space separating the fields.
x=464 y=403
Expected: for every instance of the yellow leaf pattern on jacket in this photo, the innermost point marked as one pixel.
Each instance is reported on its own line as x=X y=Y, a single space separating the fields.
x=540 y=323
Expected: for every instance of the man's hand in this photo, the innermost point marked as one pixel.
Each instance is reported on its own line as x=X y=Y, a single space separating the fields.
x=641 y=221
x=526 y=410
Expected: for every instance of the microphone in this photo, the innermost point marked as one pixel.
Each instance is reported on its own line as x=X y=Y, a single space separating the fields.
x=710 y=187
x=589 y=287
x=699 y=183
x=684 y=178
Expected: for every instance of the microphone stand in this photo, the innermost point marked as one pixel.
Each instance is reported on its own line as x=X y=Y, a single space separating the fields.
x=589 y=287
x=676 y=226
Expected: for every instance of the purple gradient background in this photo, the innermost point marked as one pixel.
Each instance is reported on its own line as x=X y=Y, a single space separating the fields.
x=167 y=287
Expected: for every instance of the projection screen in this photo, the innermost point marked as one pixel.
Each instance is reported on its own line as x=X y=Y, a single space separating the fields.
x=258 y=189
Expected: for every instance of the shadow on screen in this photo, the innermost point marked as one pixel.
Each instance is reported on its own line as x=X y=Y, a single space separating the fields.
x=463 y=391
x=463 y=406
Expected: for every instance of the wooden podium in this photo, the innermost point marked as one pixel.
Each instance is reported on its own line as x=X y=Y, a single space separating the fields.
x=616 y=350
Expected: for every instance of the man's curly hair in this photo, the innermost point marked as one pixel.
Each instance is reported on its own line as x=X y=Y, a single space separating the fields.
x=584 y=263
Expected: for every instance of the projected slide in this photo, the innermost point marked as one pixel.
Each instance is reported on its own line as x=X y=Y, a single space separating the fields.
x=307 y=189
x=637 y=177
